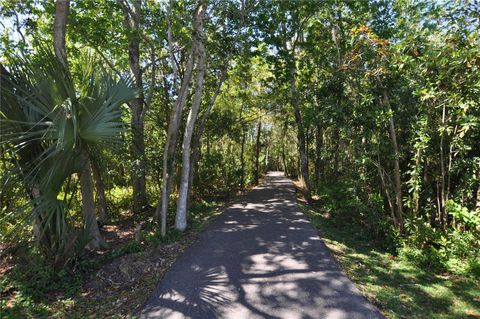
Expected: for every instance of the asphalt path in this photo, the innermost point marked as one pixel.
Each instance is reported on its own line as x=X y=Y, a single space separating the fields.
x=261 y=258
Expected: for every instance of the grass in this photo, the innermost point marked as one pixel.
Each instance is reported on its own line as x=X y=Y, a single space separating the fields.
x=397 y=287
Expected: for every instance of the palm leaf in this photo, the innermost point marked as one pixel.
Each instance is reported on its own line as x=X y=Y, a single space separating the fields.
x=47 y=120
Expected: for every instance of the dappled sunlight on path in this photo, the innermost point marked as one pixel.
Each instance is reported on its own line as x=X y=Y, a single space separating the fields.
x=260 y=259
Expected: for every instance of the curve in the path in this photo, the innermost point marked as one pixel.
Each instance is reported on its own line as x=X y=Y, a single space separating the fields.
x=260 y=259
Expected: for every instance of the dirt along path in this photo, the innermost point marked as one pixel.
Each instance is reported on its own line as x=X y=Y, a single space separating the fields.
x=260 y=259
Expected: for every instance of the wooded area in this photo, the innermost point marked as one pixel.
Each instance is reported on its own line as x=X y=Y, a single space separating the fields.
x=139 y=110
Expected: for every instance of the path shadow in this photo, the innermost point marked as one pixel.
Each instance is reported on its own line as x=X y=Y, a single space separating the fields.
x=260 y=259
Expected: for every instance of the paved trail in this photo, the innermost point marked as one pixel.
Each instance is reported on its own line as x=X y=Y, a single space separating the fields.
x=260 y=259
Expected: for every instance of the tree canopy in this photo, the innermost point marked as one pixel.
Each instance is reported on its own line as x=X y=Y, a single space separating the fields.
x=149 y=107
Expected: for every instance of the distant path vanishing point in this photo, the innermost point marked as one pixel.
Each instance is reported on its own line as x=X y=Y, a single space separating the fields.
x=260 y=259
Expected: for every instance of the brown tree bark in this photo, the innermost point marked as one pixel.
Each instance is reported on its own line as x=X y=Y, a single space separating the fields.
x=397 y=175
x=132 y=20
x=294 y=100
x=336 y=152
x=257 y=152
x=385 y=191
x=397 y=180
x=477 y=204
x=318 y=153
x=59 y=30
x=100 y=193
x=242 y=160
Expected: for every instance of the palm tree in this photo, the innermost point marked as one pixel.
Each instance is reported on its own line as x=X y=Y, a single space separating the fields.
x=50 y=124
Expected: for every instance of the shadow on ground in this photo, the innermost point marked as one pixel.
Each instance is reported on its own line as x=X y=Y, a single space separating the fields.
x=260 y=259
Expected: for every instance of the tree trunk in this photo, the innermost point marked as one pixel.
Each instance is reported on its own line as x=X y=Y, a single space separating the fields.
x=396 y=173
x=300 y=130
x=59 y=30
x=171 y=143
x=196 y=143
x=307 y=144
x=181 y=216
x=477 y=204
x=257 y=152
x=318 y=153
x=88 y=205
x=132 y=22
x=397 y=179
x=242 y=160
x=284 y=160
x=336 y=152
x=100 y=192
x=88 y=202
x=384 y=189
x=86 y=185
x=242 y=150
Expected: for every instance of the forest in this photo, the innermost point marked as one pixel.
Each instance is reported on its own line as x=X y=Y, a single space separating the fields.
x=126 y=126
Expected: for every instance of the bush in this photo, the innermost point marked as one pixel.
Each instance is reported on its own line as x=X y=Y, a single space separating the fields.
x=430 y=259
x=473 y=268
x=351 y=206
x=35 y=277
x=455 y=250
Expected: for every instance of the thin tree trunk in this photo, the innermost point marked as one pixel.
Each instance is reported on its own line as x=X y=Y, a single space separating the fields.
x=181 y=216
x=88 y=205
x=318 y=153
x=242 y=160
x=384 y=190
x=257 y=152
x=416 y=192
x=100 y=192
x=336 y=152
x=196 y=143
x=397 y=179
x=284 y=160
x=337 y=35
x=477 y=204
x=132 y=22
x=396 y=173
x=171 y=143
x=442 y=173
x=300 y=130
x=307 y=144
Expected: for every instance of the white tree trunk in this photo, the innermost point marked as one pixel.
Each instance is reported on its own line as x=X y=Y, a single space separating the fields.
x=173 y=130
x=201 y=129
x=170 y=147
x=181 y=216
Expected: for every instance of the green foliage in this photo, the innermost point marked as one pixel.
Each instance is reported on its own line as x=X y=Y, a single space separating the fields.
x=441 y=251
x=402 y=286
x=364 y=72
x=36 y=279
x=346 y=203
x=469 y=219
x=48 y=120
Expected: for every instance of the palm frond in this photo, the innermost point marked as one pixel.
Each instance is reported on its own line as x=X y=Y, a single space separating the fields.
x=47 y=120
